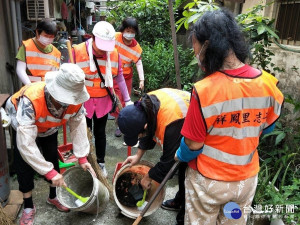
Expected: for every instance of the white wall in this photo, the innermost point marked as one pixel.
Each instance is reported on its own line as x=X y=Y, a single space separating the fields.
x=289 y=80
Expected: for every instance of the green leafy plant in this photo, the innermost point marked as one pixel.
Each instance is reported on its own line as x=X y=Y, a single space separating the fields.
x=258 y=29
x=278 y=179
x=152 y=17
x=159 y=68
x=260 y=32
x=194 y=10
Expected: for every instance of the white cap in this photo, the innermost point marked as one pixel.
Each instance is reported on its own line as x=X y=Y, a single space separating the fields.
x=104 y=34
x=67 y=84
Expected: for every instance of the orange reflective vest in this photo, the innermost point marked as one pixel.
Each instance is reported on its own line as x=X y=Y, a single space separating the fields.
x=44 y=120
x=39 y=63
x=235 y=111
x=128 y=54
x=174 y=104
x=93 y=83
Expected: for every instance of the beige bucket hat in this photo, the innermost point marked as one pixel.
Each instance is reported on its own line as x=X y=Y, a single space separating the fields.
x=67 y=84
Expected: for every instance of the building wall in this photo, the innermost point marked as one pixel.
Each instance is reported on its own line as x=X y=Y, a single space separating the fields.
x=289 y=80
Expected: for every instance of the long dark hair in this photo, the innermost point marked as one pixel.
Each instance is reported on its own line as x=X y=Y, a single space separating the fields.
x=223 y=34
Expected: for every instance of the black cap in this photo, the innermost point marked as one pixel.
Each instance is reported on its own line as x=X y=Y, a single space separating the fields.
x=131 y=121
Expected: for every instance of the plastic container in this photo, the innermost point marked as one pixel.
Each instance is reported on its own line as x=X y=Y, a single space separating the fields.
x=142 y=168
x=84 y=184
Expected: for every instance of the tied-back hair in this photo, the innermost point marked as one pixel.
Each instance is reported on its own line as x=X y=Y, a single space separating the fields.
x=151 y=113
x=130 y=22
x=223 y=34
x=48 y=26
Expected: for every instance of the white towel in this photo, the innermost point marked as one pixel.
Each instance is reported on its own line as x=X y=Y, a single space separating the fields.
x=108 y=75
x=90 y=52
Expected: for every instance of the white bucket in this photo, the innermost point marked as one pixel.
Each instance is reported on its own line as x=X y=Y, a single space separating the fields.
x=133 y=212
x=84 y=184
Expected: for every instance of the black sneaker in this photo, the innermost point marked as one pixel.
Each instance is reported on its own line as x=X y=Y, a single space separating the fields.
x=170 y=205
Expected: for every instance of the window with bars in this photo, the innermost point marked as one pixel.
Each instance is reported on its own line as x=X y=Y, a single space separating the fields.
x=288 y=22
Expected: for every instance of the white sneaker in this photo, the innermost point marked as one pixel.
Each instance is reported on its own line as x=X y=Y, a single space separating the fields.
x=104 y=171
x=135 y=146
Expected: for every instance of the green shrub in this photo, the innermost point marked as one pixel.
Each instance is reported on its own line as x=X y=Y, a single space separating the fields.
x=152 y=17
x=159 y=67
x=278 y=179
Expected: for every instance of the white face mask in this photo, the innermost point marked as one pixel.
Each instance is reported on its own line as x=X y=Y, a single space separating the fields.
x=45 y=41
x=128 y=36
x=198 y=57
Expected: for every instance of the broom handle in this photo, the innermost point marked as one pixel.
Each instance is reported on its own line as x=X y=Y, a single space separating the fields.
x=70 y=51
x=72 y=61
x=153 y=197
x=128 y=151
x=72 y=192
x=65 y=133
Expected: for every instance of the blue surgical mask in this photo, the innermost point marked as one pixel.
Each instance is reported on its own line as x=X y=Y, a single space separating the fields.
x=128 y=36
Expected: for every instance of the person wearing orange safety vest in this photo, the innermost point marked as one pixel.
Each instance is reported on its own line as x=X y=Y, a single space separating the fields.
x=37 y=111
x=37 y=55
x=230 y=109
x=157 y=118
x=101 y=47
x=130 y=52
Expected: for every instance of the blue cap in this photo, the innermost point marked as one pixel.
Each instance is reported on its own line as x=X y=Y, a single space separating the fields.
x=131 y=122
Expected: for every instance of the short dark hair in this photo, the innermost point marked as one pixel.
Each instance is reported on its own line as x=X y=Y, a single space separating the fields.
x=48 y=26
x=130 y=22
x=223 y=34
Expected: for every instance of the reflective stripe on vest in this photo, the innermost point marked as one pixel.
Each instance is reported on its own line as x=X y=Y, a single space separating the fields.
x=93 y=82
x=128 y=49
x=55 y=120
x=35 y=79
x=242 y=103
x=174 y=104
x=32 y=67
x=234 y=123
x=226 y=157
x=39 y=63
x=128 y=54
x=124 y=58
x=178 y=99
x=44 y=120
x=245 y=103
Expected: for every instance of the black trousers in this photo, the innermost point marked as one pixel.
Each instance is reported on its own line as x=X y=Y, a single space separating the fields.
x=25 y=173
x=180 y=195
x=98 y=126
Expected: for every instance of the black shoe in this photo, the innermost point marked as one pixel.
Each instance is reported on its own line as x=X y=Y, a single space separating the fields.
x=170 y=205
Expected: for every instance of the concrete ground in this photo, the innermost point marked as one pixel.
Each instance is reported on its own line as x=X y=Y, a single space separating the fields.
x=115 y=152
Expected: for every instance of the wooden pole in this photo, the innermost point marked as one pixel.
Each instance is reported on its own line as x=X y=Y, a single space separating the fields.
x=69 y=47
x=153 y=197
x=172 y=21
